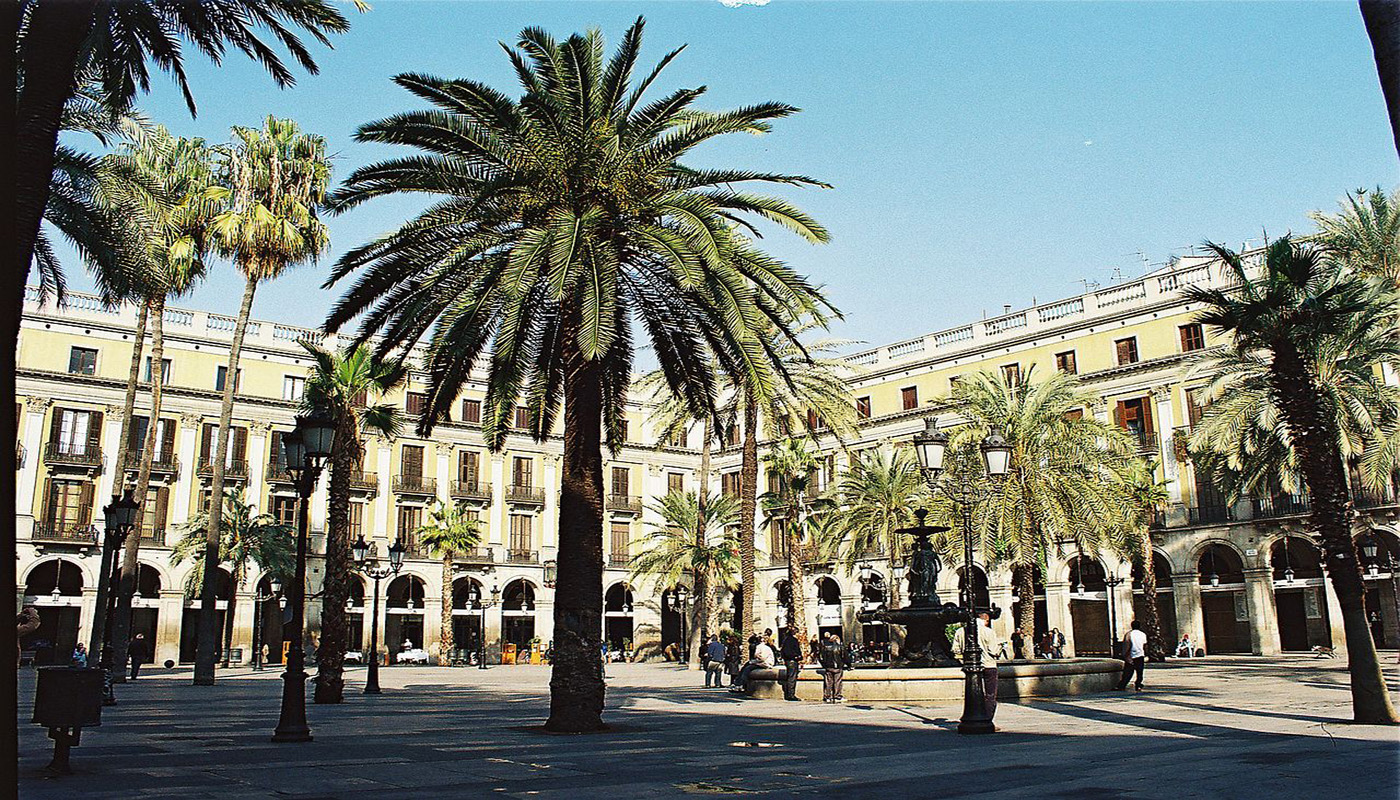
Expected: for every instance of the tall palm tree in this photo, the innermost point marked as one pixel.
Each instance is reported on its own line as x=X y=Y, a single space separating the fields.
x=1382 y=20
x=161 y=187
x=448 y=533
x=343 y=384
x=564 y=222
x=877 y=495
x=274 y=179
x=814 y=397
x=1066 y=481
x=247 y=538
x=1148 y=496
x=1365 y=234
x=796 y=467
x=1299 y=303
x=694 y=537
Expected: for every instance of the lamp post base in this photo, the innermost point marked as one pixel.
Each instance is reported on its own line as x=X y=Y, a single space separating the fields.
x=975 y=719
x=292 y=726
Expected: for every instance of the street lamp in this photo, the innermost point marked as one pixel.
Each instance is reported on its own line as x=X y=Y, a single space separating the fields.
x=378 y=572
x=1112 y=581
x=1370 y=550
x=1287 y=563
x=679 y=600
x=306 y=450
x=274 y=585
x=966 y=489
x=119 y=518
x=483 y=603
x=551 y=573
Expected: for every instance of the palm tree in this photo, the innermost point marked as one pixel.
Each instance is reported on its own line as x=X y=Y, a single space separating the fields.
x=814 y=397
x=160 y=186
x=564 y=222
x=877 y=496
x=1382 y=20
x=273 y=180
x=1148 y=496
x=343 y=384
x=1365 y=235
x=1299 y=304
x=1065 y=484
x=795 y=466
x=695 y=537
x=247 y=538
x=449 y=532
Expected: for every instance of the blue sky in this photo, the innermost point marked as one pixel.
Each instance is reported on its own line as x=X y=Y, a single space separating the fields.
x=981 y=153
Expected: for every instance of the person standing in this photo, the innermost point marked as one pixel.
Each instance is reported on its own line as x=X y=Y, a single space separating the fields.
x=1134 y=656
x=1058 y=643
x=987 y=641
x=80 y=656
x=139 y=653
x=733 y=658
x=792 y=664
x=835 y=660
x=26 y=622
x=714 y=663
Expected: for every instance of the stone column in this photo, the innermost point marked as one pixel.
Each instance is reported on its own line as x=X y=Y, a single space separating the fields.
x=544 y=620
x=1057 y=612
x=850 y=625
x=1166 y=427
x=87 y=612
x=111 y=435
x=168 y=621
x=380 y=510
x=500 y=514
x=444 y=473
x=553 y=475
x=258 y=441
x=493 y=634
x=1000 y=595
x=1186 y=594
x=243 y=626
x=1334 y=619
x=183 y=489
x=432 y=622
x=1263 y=615
x=32 y=437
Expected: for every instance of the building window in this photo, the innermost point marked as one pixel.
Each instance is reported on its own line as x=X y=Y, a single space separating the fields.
x=1074 y=414
x=815 y=422
x=1135 y=417
x=621 y=537
x=621 y=477
x=209 y=446
x=284 y=509
x=82 y=361
x=471 y=411
x=415 y=402
x=356 y=518
x=76 y=433
x=165 y=438
x=777 y=538
x=909 y=397
x=1192 y=337
x=522 y=472
x=522 y=418
x=1064 y=362
x=468 y=467
x=360 y=399
x=153 y=514
x=863 y=407
x=68 y=505
x=1127 y=350
x=412 y=461
x=1011 y=374
x=675 y=482
x=522 y=533
x=1195 y=406
x=221 y=377
x=164 y=371
x=293 y=386
x=731 y=437
x=624 y=431
x=729 y=484
x=410 y=520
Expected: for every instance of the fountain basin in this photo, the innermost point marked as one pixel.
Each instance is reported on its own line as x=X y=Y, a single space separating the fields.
x=941 y=685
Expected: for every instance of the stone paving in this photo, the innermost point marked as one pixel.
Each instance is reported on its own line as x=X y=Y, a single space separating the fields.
x=1215 y=728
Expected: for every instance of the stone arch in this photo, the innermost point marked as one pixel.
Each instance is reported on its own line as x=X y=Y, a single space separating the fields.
x=149 y=581
x=466 y=593
x=1379 y=595
x=981 y=587
x=66 y=574
x=406 y=591
x=84 y=575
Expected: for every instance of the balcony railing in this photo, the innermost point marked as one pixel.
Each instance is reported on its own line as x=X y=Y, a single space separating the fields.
x=164 y=463
x=475 y=555
x=75 y=454
x=522 y=556
x=64 y=533
x=1368 y=498
x=277 y=473
x=1282 y=505
x=155 y=538
x=624 y=502
x=415 y=484
x=1146 y=441
x=525 y=494
x=1204 y=515
x=1157 y=519
x=364 y=481
x=619 y=559
x=471 y=490
x=237 y=469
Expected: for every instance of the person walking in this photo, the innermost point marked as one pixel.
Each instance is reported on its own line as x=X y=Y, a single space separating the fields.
x=1134 y=656
x=792 y=664
x=1057 y=642
x=139 y=653
x=714 y=663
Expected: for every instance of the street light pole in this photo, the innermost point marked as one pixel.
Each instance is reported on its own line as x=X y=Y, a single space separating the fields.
x=275 y=587
x=119 y=518
x=378 y=572
x=966 y=490
x=1112 y=581
x=306 y=449
x=484 y=604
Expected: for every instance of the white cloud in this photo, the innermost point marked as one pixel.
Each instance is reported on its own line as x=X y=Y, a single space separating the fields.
x=1088 y=142
x=737 y=3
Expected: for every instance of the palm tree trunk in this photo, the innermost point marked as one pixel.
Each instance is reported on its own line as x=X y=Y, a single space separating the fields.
x=335 y=626
x=9 y=334
x=1382 y=19
x=704 y=585
x=126 y=589
x=208 y=612
x=1025 y=610
x=446 y=640
x=1315 y=437
x=123 y=453
x=797 y=578
x=748 y=512
x=1152 y=620
x=576 y=679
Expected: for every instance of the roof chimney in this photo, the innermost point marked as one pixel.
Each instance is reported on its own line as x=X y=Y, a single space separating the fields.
x=1006 y=308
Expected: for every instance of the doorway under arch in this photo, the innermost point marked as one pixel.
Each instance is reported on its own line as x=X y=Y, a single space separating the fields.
x=1223 y=610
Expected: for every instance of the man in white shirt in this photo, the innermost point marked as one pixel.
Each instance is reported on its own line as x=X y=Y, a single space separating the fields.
x=764 y=657
x=987 y=641
x=1136 y=646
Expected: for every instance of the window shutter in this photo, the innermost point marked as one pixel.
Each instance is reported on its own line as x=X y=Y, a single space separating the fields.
x=94 y=432
x=1147 y=415
x=206 y=442
x=85 y=506
x=46 y=510
x=240 y=444
x=413 y=461
x=1118 y=415
x=167 y=440
x=162 y=502
x=56 y=427
x=275 y=457
x=137 y=435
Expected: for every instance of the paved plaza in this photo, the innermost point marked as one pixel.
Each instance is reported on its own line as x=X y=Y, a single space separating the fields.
x=1217 y=728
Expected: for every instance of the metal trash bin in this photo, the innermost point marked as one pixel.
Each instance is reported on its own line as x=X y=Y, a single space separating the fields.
x=66 y=700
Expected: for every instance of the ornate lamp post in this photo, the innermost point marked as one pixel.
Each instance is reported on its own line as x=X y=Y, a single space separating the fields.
x=1112 y=581
x=966 y=491
x=680 y=599
x=483 y=603
x=274 y=585
x=306 y=449
x=119 y=519
x=378 y=572
x=551 y=573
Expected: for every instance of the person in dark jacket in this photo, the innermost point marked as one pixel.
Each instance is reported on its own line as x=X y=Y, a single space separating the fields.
x=835 y=660
x=139 y=652
x=791 y=651
x=714 y=662
x=733 y=658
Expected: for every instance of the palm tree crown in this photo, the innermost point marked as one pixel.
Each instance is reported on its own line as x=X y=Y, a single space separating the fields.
x=673 y=548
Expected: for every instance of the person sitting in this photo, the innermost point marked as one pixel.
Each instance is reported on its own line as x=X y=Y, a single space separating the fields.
x=764 y=657
x=1184 y=648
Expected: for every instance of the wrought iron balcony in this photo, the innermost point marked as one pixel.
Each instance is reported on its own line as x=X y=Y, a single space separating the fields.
x=475 y=555
x=73 y=454
x=277 y=473
x=1282 y=505
x=623 y=502
x=471 y=490
x=619 y=559
x=525 y=494
x=1146 y=441
x=1204 y=515
x=237 y=469
x=522 y=557
x=64 y=533
x=1370 y=498
x=364 y=481
x=415 y=484
x=155 y=538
